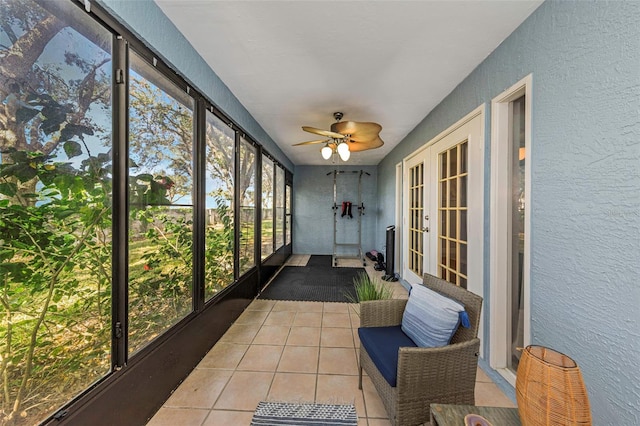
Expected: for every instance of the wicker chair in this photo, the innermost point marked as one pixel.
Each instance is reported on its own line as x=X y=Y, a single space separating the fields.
x=443 y=375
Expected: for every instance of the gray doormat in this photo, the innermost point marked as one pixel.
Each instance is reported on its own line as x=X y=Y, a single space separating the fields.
x=283 y=413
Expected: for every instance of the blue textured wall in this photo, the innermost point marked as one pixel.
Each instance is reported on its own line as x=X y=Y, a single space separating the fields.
x=585 y=196
x=312 y=214
x=145 y=19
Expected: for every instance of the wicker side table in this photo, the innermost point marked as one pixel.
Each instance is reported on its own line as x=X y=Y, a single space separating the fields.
x=453 y=415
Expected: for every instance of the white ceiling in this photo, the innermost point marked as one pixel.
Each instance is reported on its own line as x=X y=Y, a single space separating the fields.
x=294 y=63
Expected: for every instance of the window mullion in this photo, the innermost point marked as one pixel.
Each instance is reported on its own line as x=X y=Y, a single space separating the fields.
x=236 y=206
x=199 y=201
x=120 y=212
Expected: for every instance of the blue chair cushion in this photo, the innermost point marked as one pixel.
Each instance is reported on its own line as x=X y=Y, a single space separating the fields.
x=382 y=344
x=431 y=319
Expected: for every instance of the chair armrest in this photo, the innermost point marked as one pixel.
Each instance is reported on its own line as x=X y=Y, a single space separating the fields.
x=441 y=374
x=382 y=313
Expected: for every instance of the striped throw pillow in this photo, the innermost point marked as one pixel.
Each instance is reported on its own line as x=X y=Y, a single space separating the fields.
x=430 y=319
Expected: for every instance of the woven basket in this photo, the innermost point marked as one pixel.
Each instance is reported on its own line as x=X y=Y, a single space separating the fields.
x=550 y=389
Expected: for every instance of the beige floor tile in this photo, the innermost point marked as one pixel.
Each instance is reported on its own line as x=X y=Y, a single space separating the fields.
x=354 y=309
x=350 y=263
x=224 y=355
x=336 y=389
x=338 y=361
x=299 y=359
x=261 y=305
x=375 y=407
x=244 y=391
x=272 y=335
x=226 y=417
x=200 y=389
x=178 y=416
x=330 y=319
x=252 y=317
x=489 y=394
x=286 y=306
x=355 y=320
x=481 y=376
x=261 y=358
x=336 y=338
x=240 y=333
x=304 y=336
x=379 y=422
x=336 y=308
x=298 y=260
x=293 y=387
x=310 y=306
x=284 y=318
x=356 y=338
x=308 y=319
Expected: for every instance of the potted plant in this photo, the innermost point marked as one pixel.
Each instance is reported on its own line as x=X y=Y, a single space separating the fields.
x=370 y=289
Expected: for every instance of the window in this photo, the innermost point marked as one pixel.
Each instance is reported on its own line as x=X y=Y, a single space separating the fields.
x=279 y=212
x=55 y=207
x=288 y=215
x=160 y=203
x=267 y=207
x=219 y=236
x=247 y=205
x=71 y=242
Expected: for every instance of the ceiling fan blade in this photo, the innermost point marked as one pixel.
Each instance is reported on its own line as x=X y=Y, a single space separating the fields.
x=360 y=132
x=355 y=146
x=312 y=142
x=321 y=132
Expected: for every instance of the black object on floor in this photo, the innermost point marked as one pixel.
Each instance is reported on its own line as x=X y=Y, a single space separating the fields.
x=319 y=260
x=314 y=284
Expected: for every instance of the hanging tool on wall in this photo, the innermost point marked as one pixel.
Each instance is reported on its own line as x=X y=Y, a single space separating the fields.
x=346 y=209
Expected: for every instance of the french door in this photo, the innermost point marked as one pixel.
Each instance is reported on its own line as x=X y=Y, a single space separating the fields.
x=442 y=209
x=416 y=219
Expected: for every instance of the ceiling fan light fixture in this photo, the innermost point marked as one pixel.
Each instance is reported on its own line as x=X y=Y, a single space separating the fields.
x=345 y=154
x=343 y=148
x=326 y=152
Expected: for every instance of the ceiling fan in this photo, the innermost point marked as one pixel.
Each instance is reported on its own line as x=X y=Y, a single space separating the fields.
x=346 y=137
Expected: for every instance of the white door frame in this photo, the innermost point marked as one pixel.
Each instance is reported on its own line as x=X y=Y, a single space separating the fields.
x=500 y=246
x=398 y=221
x=472 y=127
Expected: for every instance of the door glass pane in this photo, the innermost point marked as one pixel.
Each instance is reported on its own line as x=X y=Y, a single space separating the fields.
x=463 y=190
x=453 y=161
x=444 y=171
x=55 y=207
x=267 y=207
x=452 y=213
x=517 y=229
x=279 y=213
x=219 y=188
x=248 y=211
x=160 y=203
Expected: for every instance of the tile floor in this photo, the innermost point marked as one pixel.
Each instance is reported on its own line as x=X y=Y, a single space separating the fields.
x=287 y=351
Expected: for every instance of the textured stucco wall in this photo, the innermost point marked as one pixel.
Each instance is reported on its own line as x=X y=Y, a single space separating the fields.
x=585 y=196
x=312 y=213
x=145 y=19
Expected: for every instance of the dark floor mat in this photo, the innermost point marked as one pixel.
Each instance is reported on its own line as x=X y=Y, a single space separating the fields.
x=319 y=260
x=313 y=284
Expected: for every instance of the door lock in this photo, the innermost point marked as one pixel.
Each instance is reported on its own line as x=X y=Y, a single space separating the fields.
x=425 y=229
